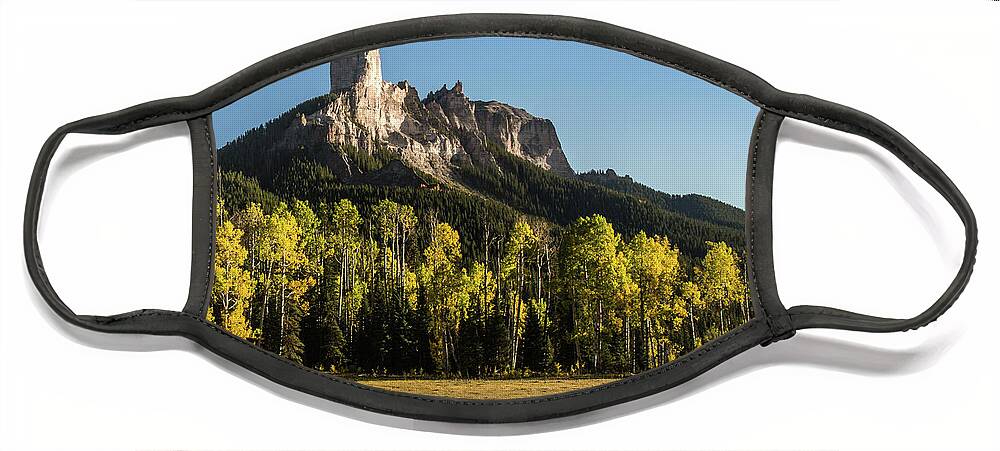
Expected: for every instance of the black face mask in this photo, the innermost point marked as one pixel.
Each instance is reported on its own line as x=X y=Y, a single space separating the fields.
x=577 y=223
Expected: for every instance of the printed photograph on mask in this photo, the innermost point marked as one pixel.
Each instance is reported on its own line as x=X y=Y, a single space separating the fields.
x=483 y=218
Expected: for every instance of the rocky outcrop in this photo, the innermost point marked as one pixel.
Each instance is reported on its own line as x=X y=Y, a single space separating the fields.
x=435 y=135
x=363 y=68
x=520 y=133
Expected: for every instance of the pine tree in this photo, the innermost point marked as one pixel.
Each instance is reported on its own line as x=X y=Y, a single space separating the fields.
x=537 y=346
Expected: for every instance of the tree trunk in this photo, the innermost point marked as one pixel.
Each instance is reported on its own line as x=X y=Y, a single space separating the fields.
x=281 y=324
x=599 y=328
x=694 y=342
x=643 y=329
x=628 y=344
x=722 y=319
x=340 y=283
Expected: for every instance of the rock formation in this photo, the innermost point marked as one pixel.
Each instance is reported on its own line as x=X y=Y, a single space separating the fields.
x=434 y=135
x=520 y=133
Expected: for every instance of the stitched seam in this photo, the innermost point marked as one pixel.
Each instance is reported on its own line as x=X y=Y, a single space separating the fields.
x=826 y=312
x=753 y=220
x=211 y=216
x=639 y=377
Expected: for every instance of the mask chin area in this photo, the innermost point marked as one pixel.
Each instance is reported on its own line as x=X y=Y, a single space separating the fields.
x=115 y=224
x=856 y=229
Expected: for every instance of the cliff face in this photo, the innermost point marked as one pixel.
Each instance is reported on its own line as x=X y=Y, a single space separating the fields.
x=520 y=133
x=434 y=135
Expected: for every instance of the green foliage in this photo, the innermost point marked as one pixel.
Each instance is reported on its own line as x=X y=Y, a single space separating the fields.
x=596 y=284
x=233 y=285
x=332 y=288
x=262 y=153
x=517 y=188
x=654 y=269
x=301 y=176
x=691 y=205
x=719 y=280
x=283 y=272
x=537 y=344
x=368 y=162
x=238 y=191
x=535 y=191
x=445 y=287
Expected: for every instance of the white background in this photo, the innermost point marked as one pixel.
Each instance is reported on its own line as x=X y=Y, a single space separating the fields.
x=853 y=229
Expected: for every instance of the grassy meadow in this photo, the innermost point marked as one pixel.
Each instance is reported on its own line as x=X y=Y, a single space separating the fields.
x=487 y=388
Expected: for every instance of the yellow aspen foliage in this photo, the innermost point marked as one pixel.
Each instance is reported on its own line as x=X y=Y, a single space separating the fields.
x=690 y=303
x=233 y=286
x=596 y=285
x=719 y=281
x=520 y=247
x=445 y=285
x=654 y=269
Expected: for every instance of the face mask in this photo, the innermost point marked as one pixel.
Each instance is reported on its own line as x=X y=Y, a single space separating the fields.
x=486 y=218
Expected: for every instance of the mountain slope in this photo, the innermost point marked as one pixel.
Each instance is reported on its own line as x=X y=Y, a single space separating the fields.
x=693 y=205
x=538 y=192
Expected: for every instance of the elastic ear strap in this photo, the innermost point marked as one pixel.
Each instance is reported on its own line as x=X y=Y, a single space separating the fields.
x=856 y=122
x=139 y=321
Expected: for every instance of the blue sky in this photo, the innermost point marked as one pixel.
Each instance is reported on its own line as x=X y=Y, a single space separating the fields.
x=669 y=130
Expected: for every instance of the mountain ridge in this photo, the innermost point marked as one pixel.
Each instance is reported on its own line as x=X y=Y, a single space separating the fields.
x=695 y=205
x=370 y=132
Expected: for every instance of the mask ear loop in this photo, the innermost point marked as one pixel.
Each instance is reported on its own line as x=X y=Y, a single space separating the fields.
x=855 y=122
x=147 y=321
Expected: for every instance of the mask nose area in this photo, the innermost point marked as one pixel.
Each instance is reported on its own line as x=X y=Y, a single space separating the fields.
x=855 y=228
